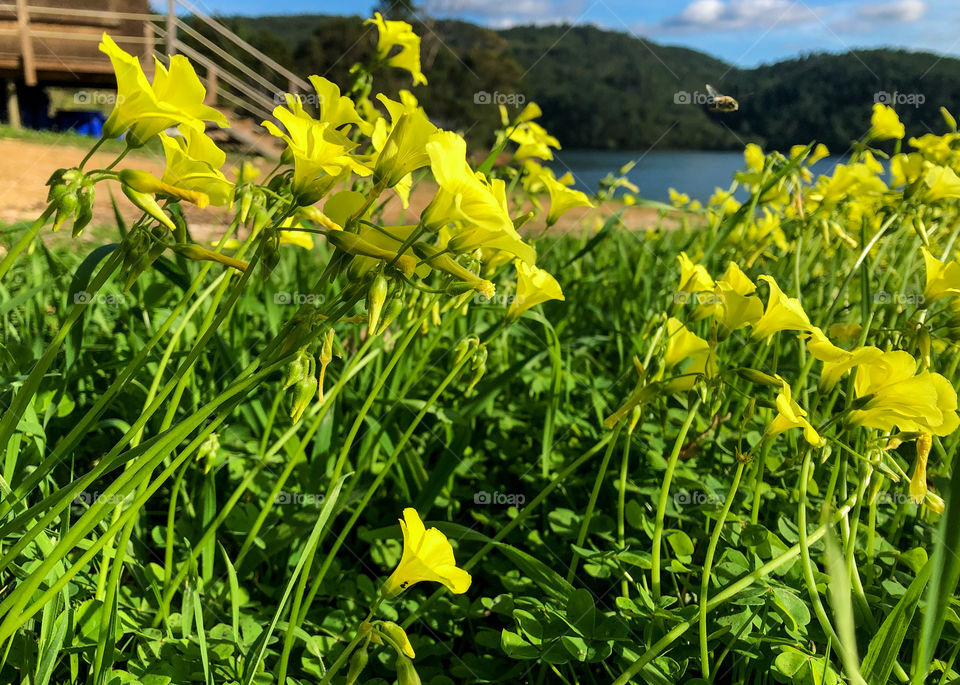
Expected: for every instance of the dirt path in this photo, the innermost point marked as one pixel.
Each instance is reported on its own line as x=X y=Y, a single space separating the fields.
x=25 y=167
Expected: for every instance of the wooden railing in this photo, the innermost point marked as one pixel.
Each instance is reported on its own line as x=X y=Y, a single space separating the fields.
x=184 y=29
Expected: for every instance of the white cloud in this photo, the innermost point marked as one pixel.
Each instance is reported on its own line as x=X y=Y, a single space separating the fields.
x=503 y=14
x=898 y=11
x=738 y=15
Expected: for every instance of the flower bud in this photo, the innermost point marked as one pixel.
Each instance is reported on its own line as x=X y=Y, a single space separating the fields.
x=376 y=296
x=66 y=205
x=144 y=182
x=84 y=209
x=149 y=205
x=197 y=253
x=269 y=253
x=294 y=371
x=759 y=377
x=397 y=637
x=442 y=261
x=355 y=245
x=479 y=366
x=406 y=673
x=465 y=347
x=358 y=661
x=303 y=392
x=394 y=307
x=935 y=502
x=325 y=357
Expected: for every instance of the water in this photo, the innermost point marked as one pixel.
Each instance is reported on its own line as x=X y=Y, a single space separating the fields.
x=694 y=172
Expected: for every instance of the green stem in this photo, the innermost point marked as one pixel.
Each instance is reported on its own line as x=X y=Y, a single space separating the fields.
x=592 y=502
x=621 y=506
x=708 y=564
x=728 y=593
x=664 y=496
x=24 y=241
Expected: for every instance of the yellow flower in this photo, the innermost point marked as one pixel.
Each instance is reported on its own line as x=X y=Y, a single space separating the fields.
x=533 y=140
x=689 y=352
x=942 y=182
x=837 y=361
x=890 y=395
x=885 y=124
x=427 y=555
x=562 y=198
x=845 y=331
x=791 y=415
x=321 y=153
x=782 y=313
x=477 y=210
x=736 y=306
x=534 y=285
x=723 y=201
x=753 y=156
x=678 y=199
x=336 y=109
x=905 y=169
x=194 y=162
x=918 y=483
x=694 y=278
x=392 y=34
x=856 y=181
x=943 y=280
x=401 y=148
x=143 y=109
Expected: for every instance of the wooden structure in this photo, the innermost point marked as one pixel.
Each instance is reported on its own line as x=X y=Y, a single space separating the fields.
x=54 y=43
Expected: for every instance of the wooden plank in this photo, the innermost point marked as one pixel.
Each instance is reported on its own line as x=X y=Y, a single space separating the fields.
x=26 y=44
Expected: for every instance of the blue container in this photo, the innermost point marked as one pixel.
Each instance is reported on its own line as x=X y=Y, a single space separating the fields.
x=84 y=122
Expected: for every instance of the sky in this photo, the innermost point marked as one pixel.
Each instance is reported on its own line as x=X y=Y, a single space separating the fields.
x=742 y=32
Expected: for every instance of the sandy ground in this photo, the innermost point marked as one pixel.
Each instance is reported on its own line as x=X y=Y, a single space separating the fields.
x=26 y=166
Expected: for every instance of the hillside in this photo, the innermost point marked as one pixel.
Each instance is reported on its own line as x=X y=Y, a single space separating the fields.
x=606 y=89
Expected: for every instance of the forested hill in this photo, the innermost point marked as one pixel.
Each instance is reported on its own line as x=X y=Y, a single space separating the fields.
x=606 y=89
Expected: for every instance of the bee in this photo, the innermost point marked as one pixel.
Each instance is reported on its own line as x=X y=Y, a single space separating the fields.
x=720 y=103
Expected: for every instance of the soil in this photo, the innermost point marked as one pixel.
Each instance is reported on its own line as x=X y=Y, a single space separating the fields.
x=25 y=167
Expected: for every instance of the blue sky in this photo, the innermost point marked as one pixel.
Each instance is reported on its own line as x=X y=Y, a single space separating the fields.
x=745 y=32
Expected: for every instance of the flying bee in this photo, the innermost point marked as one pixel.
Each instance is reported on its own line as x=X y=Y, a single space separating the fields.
x=720 y=103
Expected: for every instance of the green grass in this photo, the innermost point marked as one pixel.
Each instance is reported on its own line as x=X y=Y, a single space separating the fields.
x=152 y=424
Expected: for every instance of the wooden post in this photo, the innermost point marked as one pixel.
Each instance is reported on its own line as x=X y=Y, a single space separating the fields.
x=172 y=27
x=26 y=44
x=149 y=41
x=211 y=98
x=13 y=104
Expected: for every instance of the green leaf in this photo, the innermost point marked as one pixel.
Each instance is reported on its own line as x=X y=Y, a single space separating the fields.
x=884 y=647
x=516 y=647
x=581 y=612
